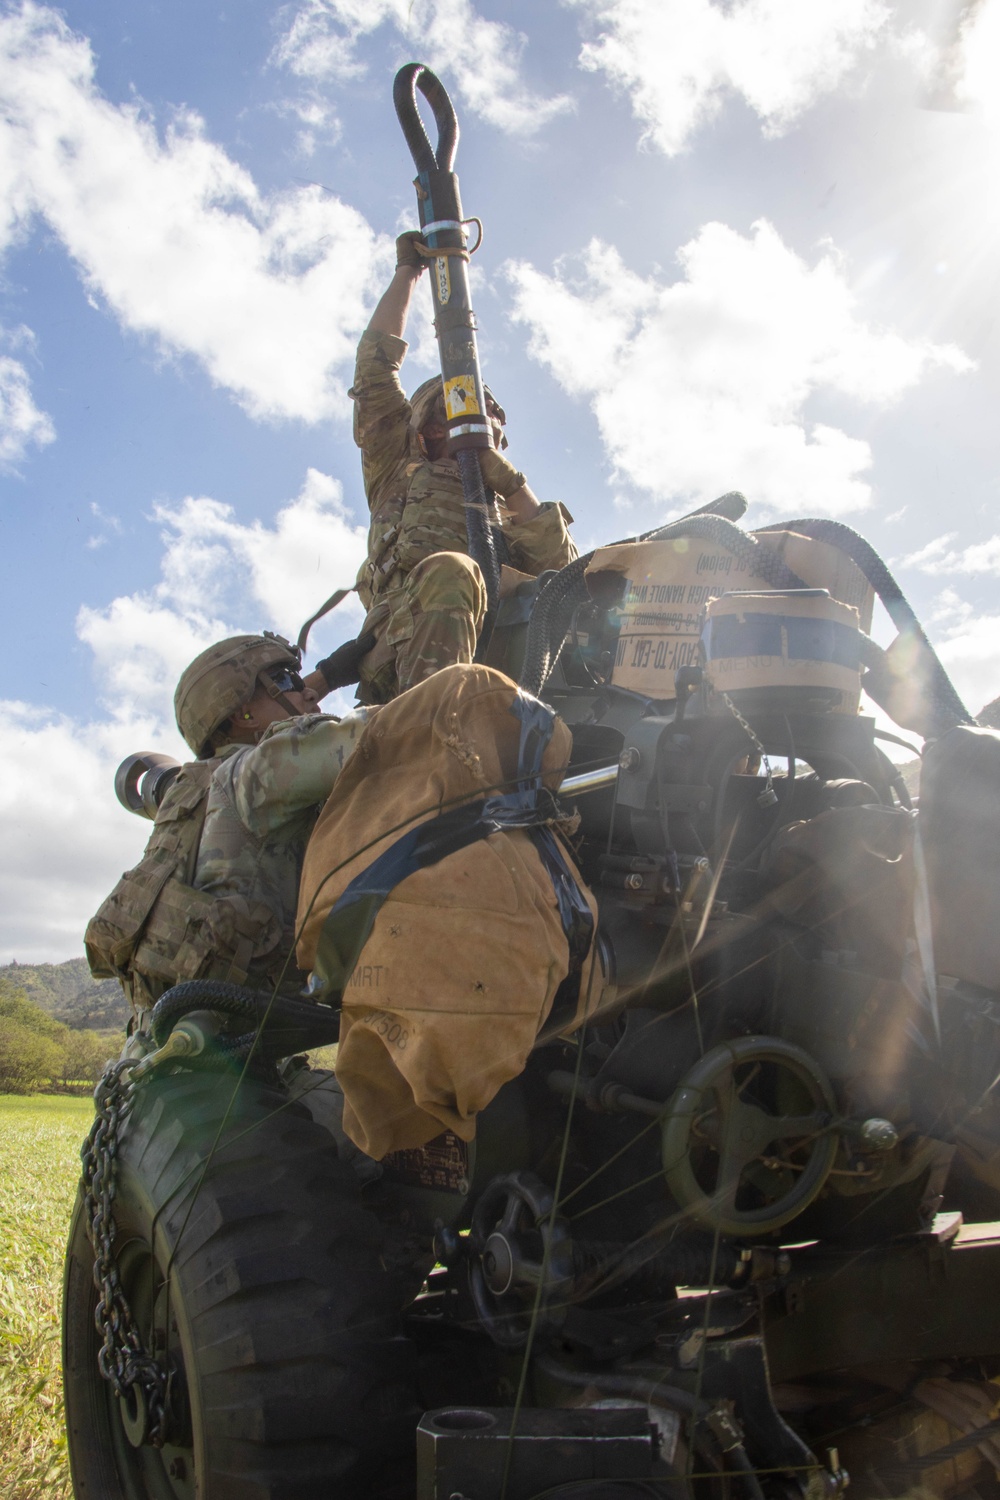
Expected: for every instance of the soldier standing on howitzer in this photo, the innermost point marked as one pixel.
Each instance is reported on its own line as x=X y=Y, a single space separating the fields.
x=424 y=595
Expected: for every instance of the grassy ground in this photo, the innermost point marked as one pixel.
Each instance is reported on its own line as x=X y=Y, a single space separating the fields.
x=39 y=1166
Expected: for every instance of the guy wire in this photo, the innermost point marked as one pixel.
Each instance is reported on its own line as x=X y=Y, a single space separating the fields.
x=557 y=1189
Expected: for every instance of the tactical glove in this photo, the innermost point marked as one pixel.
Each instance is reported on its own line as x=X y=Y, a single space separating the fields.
x=407 y=253
x=343 y=666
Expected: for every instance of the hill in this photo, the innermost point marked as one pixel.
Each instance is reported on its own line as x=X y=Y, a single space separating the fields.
x=67 y=992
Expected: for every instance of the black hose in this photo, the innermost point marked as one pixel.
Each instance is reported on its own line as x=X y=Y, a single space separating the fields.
x=760 y=560
x=479 y=534
x=732 y=505
x=289 y=1025
x=550 y=621
x=948 y=705
x=404 y=96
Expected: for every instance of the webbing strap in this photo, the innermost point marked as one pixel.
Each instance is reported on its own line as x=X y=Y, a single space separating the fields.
x=530 y=806
x=350 y=920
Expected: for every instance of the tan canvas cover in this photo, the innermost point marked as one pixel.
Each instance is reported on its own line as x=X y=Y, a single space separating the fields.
x=669 y=582
x=782 y=670
x=465 y=957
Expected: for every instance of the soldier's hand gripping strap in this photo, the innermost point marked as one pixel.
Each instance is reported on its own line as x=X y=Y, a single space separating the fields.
x=343 y=666
x=530 y=806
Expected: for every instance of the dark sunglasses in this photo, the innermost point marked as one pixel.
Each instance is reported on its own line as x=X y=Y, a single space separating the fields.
x=285 y=680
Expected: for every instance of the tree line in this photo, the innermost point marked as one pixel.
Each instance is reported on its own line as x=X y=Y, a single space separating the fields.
x=41 y=1055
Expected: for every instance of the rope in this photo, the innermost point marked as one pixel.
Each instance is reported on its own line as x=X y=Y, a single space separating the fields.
x=429 y=254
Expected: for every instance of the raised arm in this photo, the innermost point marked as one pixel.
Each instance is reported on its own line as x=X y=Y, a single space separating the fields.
x=391 y=313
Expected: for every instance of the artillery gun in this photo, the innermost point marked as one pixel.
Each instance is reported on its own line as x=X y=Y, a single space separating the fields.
x=741 y=1221
x=734 y=1236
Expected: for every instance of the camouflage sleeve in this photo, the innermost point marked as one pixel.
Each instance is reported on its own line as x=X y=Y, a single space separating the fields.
x=293 y=767
x=543 y=541
x=381 y=410
x=499 y=473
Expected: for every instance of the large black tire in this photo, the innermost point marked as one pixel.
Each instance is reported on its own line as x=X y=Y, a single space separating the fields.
x=283 y=1310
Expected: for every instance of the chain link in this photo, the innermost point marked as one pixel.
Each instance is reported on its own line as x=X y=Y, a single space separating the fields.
x=122 y=1359
x=768 y=796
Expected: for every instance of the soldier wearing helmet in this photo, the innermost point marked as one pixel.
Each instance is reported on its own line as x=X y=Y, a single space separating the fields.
x=215 y=894
x=424 y=595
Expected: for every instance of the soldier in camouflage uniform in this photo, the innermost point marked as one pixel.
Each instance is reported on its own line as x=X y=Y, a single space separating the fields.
x=221 y=904
x=424 y=595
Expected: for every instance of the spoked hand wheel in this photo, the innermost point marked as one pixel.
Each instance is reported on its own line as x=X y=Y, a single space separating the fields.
x=521 y=1259
x=749 y=1137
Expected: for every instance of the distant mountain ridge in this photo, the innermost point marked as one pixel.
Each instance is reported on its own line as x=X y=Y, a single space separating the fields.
x=67 y=992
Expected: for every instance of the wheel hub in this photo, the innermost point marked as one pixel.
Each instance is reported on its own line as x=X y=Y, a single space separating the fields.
x=498 y=1264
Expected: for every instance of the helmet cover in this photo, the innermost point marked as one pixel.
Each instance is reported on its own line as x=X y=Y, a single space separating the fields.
x=212 y=688
x=427 y=402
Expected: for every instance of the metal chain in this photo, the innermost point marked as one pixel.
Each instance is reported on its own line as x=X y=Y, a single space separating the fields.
x=122 y=1359
x=768 y=796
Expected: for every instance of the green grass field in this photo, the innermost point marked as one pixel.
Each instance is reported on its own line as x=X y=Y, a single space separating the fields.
x=39 y=1166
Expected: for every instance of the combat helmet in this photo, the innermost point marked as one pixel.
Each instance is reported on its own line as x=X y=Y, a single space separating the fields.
x=212 y=688
x=429 y=395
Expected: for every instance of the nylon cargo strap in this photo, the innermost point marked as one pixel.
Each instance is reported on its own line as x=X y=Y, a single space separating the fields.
x=530 y=806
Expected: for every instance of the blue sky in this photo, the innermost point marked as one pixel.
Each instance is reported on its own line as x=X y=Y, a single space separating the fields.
x=747 y=245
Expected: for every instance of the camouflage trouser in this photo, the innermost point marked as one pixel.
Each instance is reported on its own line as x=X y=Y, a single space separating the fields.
x=428 y=622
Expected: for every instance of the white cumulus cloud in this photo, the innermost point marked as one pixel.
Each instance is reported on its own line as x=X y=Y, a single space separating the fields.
x=968 y=644
x=939 y=556
x=65 y=838
x=267 y=292
x=221 y=577
x=701 y=384
x=483 y=57
x=22 y=424
x=978 y=57
x=679 y=60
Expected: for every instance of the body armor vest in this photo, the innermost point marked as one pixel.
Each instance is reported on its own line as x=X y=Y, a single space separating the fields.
x=156 y=928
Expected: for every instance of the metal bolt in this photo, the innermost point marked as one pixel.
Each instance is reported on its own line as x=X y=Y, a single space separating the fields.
x=633 y=882
x=629 y=758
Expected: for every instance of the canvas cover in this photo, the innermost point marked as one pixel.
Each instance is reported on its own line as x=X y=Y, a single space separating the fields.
x=465 y=957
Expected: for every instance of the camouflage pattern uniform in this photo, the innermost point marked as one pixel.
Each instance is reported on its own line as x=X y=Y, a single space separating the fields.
x=262 y=803
x=424 y=595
